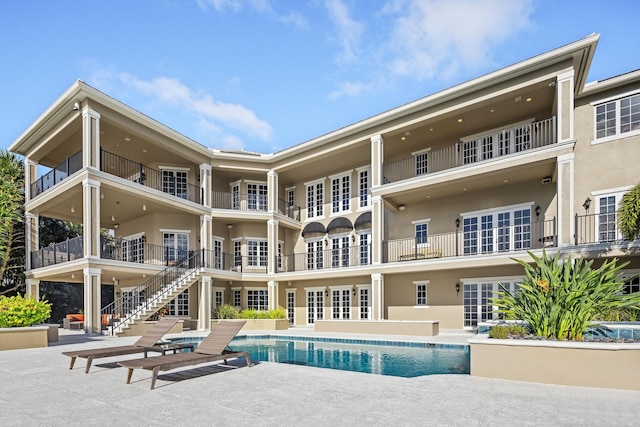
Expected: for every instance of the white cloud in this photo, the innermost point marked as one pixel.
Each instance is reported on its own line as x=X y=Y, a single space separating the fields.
x=348 y=31
x=440 y=37
x=173 y=92
x=263 y=7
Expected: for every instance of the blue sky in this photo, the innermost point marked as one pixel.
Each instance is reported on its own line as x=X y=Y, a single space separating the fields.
x=263 y=75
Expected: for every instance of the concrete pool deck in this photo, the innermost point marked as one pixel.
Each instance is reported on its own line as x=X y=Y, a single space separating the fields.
x=39 y=389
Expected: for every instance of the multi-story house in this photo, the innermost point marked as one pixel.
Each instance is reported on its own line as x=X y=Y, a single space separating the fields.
x=413 y=214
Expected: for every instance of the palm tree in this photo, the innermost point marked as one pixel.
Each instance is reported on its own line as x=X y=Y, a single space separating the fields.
x=11 y=220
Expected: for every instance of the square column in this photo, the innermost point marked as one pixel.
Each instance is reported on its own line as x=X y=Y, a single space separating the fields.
x=272 y=288
x=272 y=191
x=90 y=138
x=92 y=302
x=31 y=237
x=377 y=160
x=272 y=246
x=205 y=184
x=33 y=288
x=204 y=304
x=91 y=218
x=205 y=234
x=30 y=176
x=565 y=190
x=377 y=229
x=565 y=102
x=377 y=296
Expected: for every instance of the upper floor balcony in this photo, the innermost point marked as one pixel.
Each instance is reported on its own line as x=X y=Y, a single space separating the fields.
x=484 y=147
x=169 y=182
x=345 y=257
x=251 y=202
x=597 y=228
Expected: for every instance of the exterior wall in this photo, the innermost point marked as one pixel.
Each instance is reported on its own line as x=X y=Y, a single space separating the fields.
x=29 y=337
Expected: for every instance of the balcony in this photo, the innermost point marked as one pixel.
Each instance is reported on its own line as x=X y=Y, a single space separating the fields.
x=484 y=148
x=251 y=203
x=597 y=228
x=65 y=169
x=57 y=253
x=353 y=256
x=144 y=175
x=512 y=238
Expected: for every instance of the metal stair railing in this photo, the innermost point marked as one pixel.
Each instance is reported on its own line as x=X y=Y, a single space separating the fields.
x=151 y=291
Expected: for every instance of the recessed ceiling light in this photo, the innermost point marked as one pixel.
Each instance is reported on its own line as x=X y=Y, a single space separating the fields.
x=529 y=99
x=430 y=129
x=127 y=139
x=506 y=180
x=492 y=110
x=144 y=150
x=460 y=120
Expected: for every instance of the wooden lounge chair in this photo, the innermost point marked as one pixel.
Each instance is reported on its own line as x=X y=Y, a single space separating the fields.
x=148 y=340
x=212 y=348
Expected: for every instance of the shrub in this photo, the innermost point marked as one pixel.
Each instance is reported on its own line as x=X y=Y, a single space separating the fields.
x=226 y=312
x=561 y=299
x=20 y=311
x=507 y=331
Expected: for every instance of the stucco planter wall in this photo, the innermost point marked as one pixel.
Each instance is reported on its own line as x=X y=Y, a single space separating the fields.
x=259 y=324
x=27 y=337
x=606 y=365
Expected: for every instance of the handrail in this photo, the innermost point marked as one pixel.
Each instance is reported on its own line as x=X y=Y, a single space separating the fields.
x=239 y=201
x=507 y=141
x=71 y=165
x=352 y=256
x=151 y=290
x=597 y=228
x=144 y=175
x=56 y=253
x=535 y=235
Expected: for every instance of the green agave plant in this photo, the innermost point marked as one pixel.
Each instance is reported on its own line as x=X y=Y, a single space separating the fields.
x=561 y=298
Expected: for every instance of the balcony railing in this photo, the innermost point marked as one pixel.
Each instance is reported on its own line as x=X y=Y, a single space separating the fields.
x=484 y=148
x=239 y=201
x=597 y=228
x=292 y=211
x=70 y=166
x=352 y=256
x=57 y=253
x=511 y=238
x=144 y=175
x=134 y=250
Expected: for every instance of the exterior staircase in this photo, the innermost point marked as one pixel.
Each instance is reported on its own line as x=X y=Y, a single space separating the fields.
x=153 y=294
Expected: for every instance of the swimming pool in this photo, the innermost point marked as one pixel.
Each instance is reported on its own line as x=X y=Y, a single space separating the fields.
x=400 y=359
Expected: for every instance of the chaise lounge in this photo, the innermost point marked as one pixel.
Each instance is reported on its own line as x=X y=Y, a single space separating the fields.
x=212 y=348
x=147 y=341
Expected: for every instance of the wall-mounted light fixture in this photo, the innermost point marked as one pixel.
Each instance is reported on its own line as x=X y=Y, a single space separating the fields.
x=326 y=293
x=118 y=294
x=537 y=211
x=457 y=288
x=587 y=204
x=229 y=226
x=354 y=292
x=353 y=238
x=457 y=222
x=116 y=226
x=401 y=207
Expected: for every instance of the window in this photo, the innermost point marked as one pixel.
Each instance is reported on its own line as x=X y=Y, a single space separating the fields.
x=617 y=117
x=421 y=162
x=257 y=299
x=176 y=246
x=364 y=189
x=421 y=232
x=421 y=293
x=341 y=304
x=315 y=200
x=340 y=193
x=340 y=252
x=279 y=263
x=237 y=254
x=217 y=254
x=364 y=250
x=257 y=197
x=607 y=205
x=133 y=249
x=218 y=298
x=291 y=305
x=257 y=253
x=237 y=298
x=179 y=306
x=175 y=183
x=364 y=303
x=477 y=294
x=502 y=230
x=235 y=196
x=631 y=286
x=315 y=306
x=315 y=255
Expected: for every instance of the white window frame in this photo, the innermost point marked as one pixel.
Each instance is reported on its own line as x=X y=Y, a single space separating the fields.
x=363 y=238
x=340 y=247
x=317 y=312
x=217 y=252
x=618 y=134
x=236 y=194
x=291 y=306
x=421 y=161
x=341 y=302
x=237 y=253
x=215 y=292
x=364 y=187
x=262 y=298
x=474 y=289
x=618 y=193
x=259 y=260
x=421 y=302
x=132 y=247
x=236 y=294
x=340 y=193
x=181 y=184
x=423 y=243
x=315 y=200
x=179 y=306
x=257 y=196
x=364 y=311
x=316 y=257
x=176 y=249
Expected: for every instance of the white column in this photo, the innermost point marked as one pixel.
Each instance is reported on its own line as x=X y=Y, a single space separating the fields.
x=31 y=237
x=205 y=183
x=377 y=296
x=90 y=138
x=565 y=196
x=30 y=176
x=272 y=191
x=377 y=229
x=92 y=301
x=272 y=287
x=272 y=246
x=91 y=218
x=565 y=102
x=377 y=159
x=33 y=288
x=204 y=304
x=206 y=236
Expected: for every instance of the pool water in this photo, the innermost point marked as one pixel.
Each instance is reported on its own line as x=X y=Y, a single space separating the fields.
x=401 y=360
